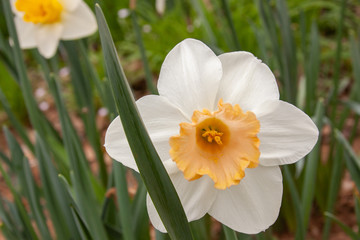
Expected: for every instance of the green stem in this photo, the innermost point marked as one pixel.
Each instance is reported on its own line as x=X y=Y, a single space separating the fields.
x=140 y=43
x=225 y=6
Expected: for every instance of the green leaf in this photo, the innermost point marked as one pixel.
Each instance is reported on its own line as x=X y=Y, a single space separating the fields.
x=354 y=106
x=17 y=154
x=300 y=231
x=345 y=228
x=123 y=200
x=20 y=166
x=20 y=208
x=84 y=184
x=355 y=57
x=357 y=209
x=139 y=211
x=312 y=162
x=199 y=9
x=229 y=233
x=288 y=52
x=55 y=195
x=15 y=122
x=351 y=160
x=80 y=224
x=28 y=184
x=11 y=222
x=153 y=173
x=201 y=228
x=140 y=43
x=337 y=64
x=83 y=94
x=229 y=19
x=312 y=65
x=334 y=185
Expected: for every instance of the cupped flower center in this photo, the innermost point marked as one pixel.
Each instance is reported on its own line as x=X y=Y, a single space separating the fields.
x=40 y=11
x=220 y=144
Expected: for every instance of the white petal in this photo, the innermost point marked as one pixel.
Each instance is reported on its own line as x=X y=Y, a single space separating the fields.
x=47 y=38
x=196 y=198
x=190 y=76
x=254 y=204
x=246 y=81
x=286 y=133
x=161 y=119
x=25 y=32
x=70 y=5
x=78 y=23
x=116 y=144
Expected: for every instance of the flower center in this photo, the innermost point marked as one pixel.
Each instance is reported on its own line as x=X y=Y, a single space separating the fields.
x=211 y=130
x=212 y=135
x=220 y=144
x=40 y=11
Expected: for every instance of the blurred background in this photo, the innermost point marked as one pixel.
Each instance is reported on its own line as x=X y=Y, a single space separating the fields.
x=312 y=46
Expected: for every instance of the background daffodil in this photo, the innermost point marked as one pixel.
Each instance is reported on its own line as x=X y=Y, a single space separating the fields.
x=43 y=23
x=221 y=132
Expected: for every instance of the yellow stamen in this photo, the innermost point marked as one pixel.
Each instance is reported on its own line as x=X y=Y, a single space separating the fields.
x=40 y=11
x=213 y=135
x=220 y=144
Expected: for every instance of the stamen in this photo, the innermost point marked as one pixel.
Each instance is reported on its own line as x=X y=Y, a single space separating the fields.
x=213 y=135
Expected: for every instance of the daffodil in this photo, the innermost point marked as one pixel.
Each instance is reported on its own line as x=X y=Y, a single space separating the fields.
x=222 y=132
x=43 y=23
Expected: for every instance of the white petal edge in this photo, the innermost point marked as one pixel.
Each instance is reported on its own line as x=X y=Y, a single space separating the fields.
x=196 y=198
x=13 y=8
x=26 y=33
x=47 y=38
x=78 y=23
x=246 y=81
x=286 y=134
x=70 y=5
x=190 y=76
x=253 y=205
x=161 y=120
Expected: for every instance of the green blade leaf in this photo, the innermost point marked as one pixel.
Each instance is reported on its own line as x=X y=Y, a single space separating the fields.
x=351 y=160
x=54 y=194
x=15 y=122
x=140 y=43
x=140 y=215
x=308 y=190
x=150 y=166
x=229 y=233
x=357 y=209
x=334 y=185
x=123 y=200
x=24 y=217
x=300 y=232
x=84 y=184
x=346 y=229
x=83 y=94
x=354 y=106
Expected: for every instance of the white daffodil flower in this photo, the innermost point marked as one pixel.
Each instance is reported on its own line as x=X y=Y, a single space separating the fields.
x=221 y=132
x=43 y=23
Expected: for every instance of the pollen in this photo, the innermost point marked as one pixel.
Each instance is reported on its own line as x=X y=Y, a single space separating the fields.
x=220 y=144
x=40 y=11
